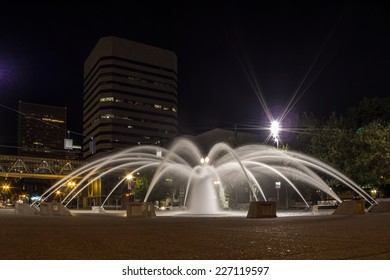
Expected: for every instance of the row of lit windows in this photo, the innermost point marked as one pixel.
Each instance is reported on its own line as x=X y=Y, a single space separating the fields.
x=131 y=119
x=52 y=120
x=44 y=123
x=128 y=136
x=121 y=117
x=28 y=115
x=166 y=97
x=133 y=111
x=158 y=130
x=144 y=141
x=130 y=140
x=136 y=103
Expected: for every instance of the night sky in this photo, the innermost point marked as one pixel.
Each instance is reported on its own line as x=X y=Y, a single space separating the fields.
x=334 y=53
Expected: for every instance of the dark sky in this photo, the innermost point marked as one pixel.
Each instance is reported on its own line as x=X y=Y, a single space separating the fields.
x=337 y=51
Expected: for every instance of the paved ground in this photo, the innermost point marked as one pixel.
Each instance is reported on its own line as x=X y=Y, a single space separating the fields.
x=114 y=237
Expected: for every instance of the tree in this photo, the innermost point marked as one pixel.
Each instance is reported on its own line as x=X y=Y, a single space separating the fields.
x=331 y=142
x=141 y=186
x=370 y=155
x=308 y=127
x=358 y=145
x=367 y=111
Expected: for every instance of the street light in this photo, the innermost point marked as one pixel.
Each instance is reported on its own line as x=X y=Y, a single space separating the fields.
x=129 y=178
x=5 y=191
x=275 y=127
x=58 y=193
x=130 y=193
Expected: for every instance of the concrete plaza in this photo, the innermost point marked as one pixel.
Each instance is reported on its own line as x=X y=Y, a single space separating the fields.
x=113 y=236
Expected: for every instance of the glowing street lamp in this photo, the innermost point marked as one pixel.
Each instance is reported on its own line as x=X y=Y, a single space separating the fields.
x=5 y=191
x=275 y=127
x=58 y=194
x=374 y=193
x=129 y=178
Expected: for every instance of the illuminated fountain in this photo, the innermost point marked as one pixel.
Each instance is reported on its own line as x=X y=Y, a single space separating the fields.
x=204 y=179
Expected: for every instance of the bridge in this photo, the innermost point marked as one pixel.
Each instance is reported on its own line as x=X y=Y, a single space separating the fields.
x=38 y=168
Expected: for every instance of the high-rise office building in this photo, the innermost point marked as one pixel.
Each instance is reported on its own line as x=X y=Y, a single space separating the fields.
x=130 y=95
x=41 y=130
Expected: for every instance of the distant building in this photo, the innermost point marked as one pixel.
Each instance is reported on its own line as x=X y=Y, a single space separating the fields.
x=41 y=130
x=130 y=96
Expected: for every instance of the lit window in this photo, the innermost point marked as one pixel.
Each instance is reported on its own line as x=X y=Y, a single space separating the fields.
x=107 y=116
x=157 y=106
x=106 y=99
x=173 y=109
x=53 y=120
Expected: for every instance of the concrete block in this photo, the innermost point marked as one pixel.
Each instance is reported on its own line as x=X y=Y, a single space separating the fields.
x=53 y=209
x=262 y=209
x=98 y=209
x=140 y=210
x=25 y=209
x=350 y=207
x=381 y=207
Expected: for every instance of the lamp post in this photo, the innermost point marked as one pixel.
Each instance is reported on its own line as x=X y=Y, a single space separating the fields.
x=277 y=187
x=130 y=178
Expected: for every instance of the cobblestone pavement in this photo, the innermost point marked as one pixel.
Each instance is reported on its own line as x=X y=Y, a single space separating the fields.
x=115 y=237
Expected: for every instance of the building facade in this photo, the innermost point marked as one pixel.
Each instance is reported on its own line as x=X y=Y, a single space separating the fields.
x=130 y=96
x=41 y=130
